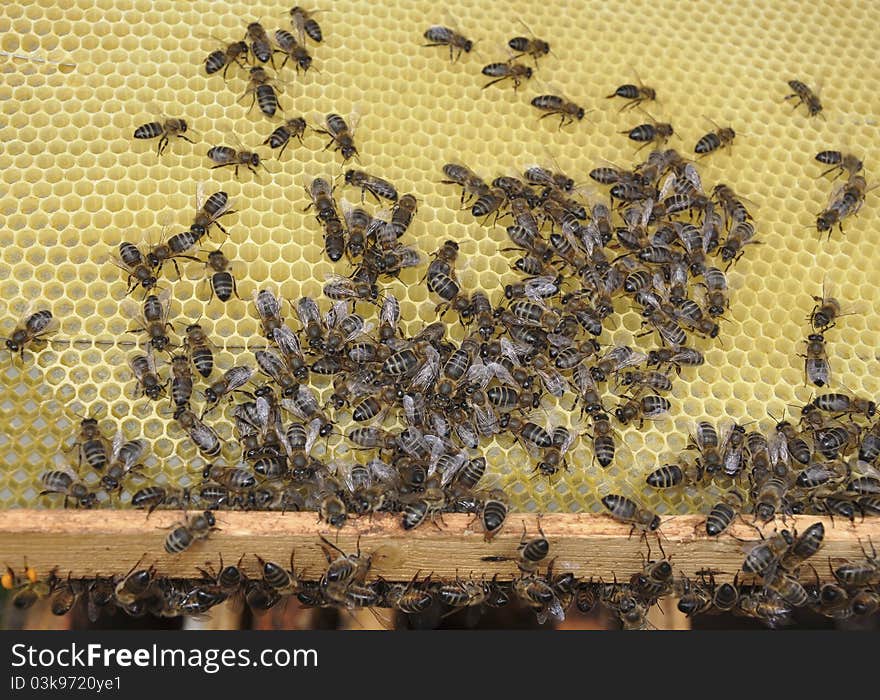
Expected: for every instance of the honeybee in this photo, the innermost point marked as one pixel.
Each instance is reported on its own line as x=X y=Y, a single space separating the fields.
x=225 y=156
x=846 y=201
x=376 y=186
x=650 y=132
x=740 y=236
x=341 y=288
x=723 y=136
x=131 y=260
x=554 y=105
x=262 y=88
x=293 y=50
x=816 y=368
x=763 y=557
x=269 y=311
x=841 y=162
x=305 y=24
x=805 y=96
x=627 y=511
x=143 y=367
x=634 y=94
x=843 y=403
x=641 y=408
x=209 y=214
x=561 y=440
x=402 y=214
x=721 y=514
x=341 y=138
x=181 y=380
x=123 y=462
x=165 y=129
x=198 y=349
x=472 y=184
x=260 y=46
x=94 y=449
x=61 y=481
x=152 y=497
x=205 y=439
x=27 y=590
x=671 y=475
x=153 y=317
x=444 y=36
x=529 y=46
x=31 y=331
x=221 y=59
x=509 y=70
x=492 y=512
x=189 y=531
x=232 y=380
x=294 y=128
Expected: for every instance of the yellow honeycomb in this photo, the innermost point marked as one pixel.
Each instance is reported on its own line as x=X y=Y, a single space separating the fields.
x=73 y=184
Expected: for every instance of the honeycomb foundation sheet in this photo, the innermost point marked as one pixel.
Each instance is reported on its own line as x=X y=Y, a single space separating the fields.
x=73 y=184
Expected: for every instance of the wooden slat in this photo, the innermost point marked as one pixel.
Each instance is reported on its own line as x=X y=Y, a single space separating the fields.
x=110 y=542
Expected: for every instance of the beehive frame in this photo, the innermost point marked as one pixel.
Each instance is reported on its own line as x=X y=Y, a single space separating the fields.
x=74 y=184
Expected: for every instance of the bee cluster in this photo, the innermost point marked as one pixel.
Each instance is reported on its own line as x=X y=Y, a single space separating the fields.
x=773 y=592
x=425 y=404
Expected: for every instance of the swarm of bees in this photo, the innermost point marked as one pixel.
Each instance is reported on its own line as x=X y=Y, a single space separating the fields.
x=424 y=404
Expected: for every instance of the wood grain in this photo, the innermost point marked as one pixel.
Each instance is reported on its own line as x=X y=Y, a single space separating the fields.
x=88 y=543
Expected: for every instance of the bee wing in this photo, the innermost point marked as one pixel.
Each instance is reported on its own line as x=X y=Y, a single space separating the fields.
x=339 y=310
x=135 y=451
x=429 y=370
x=287 y=342
x=541 y=287
x=554 y=610
x=382 y=471
x=337 y=285
x=313 y=429
x=553 y=382
x=117 y=445
x=501 y=373
x=570 y=437
x=451 y=467
x=390 y=312
x=486 y=420
x=307 y=311
x=668 y=185
x=693 y=176
x=237 y=377
x=513 y=351
x=133 y=310
x=478 y=374
x=558 y=340
x=267 y=304
x=344 y=471
x=777 y=447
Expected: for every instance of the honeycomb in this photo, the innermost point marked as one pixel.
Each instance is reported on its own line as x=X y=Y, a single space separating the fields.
x=73 y=184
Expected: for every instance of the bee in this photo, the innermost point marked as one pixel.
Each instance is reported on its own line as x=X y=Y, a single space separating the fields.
x=493 y=512
x=260 y=46
x=859 y=574
x=787 y=587
x=646 y=407
x=31 y=331
x=603 y=438
x=226 y=155
x=221 y=281
x=554 y=105
x=132 y=261
x=65 y=595
x=846 y=201
x=269 y=311
x=627 y=511
x=305 y=24
x=293 y=50
x=634 y=94
x=714 y=140
x=94 y=448
x=134 y=584
x=715 y=284
x=209 y=214
x=805 y=96
x=561 y=439
x=233 y=478
x=153 y=317
x=205 y=439
x=143 y=367
x=64 y=482
x=740 y=236
x=292 y=128
x=221 y=59
x=305 y=407
x=763 y=558
x=840 y=161
x=152 y=497
x=341 y=288
x=732 y=445
x=198 y=527
x=721 y=514
x=806 y=545
x=181 y=380
x=671 y=475
x=529 y=46
x=443 y=36
x=262 y=89
x=198 y=349
x=402 y=214
x=28 y=590
x=232 y=380
x=843 y=403
x=649 y=132
x=165 y=129
x=658 y=381
x=816 y=368
x=472 y=184
x=123 y=462
x=509 y=70
x=341 y=137
x=376 y=186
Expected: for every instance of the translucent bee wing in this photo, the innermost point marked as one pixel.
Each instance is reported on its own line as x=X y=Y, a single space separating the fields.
x=287 y=342
x=429 y=371
x=237 y=377
x=390 y=312
x=501 y=373
x=313 y=429
x=117 y=445
x=340 y=309
x=382 y=471
x=451 y=467
x=307 y=311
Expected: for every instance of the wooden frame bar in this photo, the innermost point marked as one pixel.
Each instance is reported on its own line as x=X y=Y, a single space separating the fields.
x=89 y=543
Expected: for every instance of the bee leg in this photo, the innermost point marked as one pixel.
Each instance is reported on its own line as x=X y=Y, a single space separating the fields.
x=186 y=138
x=492 y=82
x=162 y=143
